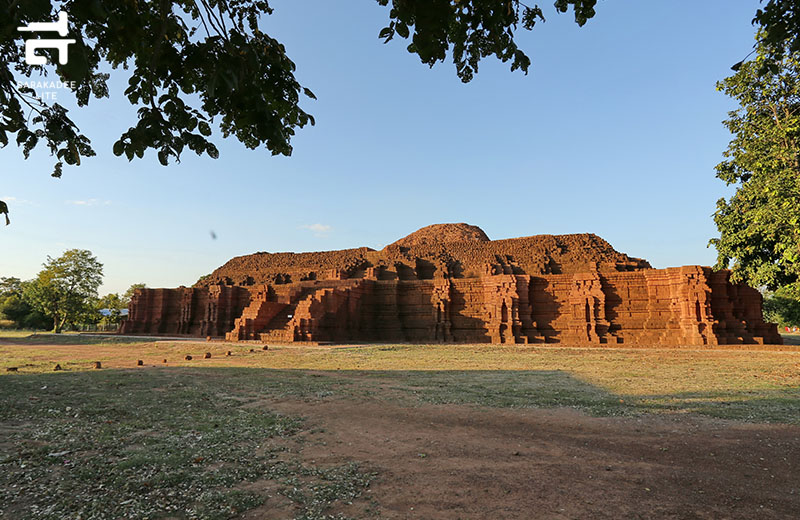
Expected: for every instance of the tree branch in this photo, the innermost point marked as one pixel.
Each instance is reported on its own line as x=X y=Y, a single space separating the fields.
x=212 y=18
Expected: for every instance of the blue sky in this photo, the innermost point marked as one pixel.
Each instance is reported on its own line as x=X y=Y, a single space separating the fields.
x=615 y=131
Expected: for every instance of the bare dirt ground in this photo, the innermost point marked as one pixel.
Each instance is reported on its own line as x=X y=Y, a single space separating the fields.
x=453 y=462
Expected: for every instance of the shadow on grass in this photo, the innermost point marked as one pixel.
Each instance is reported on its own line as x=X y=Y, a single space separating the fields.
x=504 y=389
x=46 y=338
x=490 y=388
x=555 y=388
x=791 y=339
x=152 y=442
x=158 y=443
x=762 y=406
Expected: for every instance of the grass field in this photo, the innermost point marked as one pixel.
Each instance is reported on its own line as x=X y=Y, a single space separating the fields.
x=178 y=439
x=755 y=385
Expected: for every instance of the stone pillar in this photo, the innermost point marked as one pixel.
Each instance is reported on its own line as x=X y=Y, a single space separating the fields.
x=588 y=309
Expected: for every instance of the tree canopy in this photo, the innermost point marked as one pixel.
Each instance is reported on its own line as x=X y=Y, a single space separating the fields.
x=126 y=298
x=4 y=211
x=760 y=224
x=66 y=288
x=193 y=65
x=23 y=303
x=15 y=308
x=779 y=21
x=111 y=306
x=783 y=307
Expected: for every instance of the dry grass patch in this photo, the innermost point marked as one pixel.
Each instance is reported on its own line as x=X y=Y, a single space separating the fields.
x=757 y=385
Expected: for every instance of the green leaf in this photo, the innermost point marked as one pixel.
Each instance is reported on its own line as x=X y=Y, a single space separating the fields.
x=212 y=151
x=402 y=30
x=163 y=157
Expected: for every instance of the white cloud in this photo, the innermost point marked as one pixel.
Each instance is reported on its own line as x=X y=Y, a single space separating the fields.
x=320 y=230
x=89 y=202
x=17 y=202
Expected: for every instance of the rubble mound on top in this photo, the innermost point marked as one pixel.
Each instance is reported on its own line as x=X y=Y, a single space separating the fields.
x=443 y=234
x=440 y=250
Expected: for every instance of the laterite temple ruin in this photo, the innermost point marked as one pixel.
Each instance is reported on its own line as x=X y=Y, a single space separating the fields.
x=450 y=283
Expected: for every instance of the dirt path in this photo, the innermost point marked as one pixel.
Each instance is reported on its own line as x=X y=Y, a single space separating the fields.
x=463 y=462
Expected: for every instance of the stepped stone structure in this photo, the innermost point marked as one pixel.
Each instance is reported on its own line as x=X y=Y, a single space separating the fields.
x=450 y=283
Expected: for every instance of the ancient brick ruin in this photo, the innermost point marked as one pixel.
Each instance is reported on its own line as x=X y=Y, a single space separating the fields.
x=450 y=283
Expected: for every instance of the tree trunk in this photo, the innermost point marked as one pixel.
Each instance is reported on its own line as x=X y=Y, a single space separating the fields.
x=56 y=328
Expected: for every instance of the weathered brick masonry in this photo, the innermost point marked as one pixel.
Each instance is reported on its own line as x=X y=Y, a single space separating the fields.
x=450 y=283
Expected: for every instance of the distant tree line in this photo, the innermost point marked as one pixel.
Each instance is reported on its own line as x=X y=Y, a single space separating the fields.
x=64 y=295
